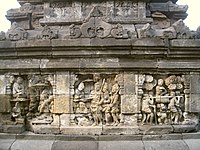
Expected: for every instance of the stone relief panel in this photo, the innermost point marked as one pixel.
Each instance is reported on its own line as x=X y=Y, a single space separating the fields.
x=96 y=100
x=165 y=100
x=75 y=11
x=41 y=104
x=31 y=98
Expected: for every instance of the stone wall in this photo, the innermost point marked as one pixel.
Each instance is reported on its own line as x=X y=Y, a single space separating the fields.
x=110 y=67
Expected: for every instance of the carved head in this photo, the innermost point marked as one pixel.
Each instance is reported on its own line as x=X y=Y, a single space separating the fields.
x=19 y=80
x=115 y=88
x=160 y=82
x=81 y=86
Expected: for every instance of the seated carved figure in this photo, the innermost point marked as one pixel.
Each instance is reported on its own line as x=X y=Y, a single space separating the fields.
x=18 y=88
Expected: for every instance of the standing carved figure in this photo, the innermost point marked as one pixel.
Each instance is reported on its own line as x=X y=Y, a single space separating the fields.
x=175 y=109
x=147 y=109
x=114 y=103
x=105 y=102
x=45 y=105
x=95 y=107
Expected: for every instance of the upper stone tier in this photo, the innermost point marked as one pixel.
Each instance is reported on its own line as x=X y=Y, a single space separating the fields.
x=42 y=1
x=118 y=19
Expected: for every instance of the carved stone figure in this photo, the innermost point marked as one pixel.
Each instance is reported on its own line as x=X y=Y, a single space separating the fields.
x=17 y=114
x=44 y=108
x=16 y=33
x=148 y=108
x=19 y=88
x=95 y=106
x=175 y=109
x=114 y=103
x=163 y=114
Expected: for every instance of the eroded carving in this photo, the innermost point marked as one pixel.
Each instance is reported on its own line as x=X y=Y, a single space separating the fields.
x=2 y=36
x=48 y=33
x=16 y=33
x=27 y=7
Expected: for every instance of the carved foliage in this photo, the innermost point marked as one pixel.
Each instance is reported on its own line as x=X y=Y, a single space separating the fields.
x=96 y=100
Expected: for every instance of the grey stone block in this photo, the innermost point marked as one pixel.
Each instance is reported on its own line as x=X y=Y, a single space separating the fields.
x=120 y=137
x=166 y=145
x=193 y=144
x=32 y=145
x=185 y=43
x=5 y=144
x=185 y=128
x=121 y=145
x=165 y=129
x=14 y=128
x=81 y=130
x=74 y=145
x=120 y=130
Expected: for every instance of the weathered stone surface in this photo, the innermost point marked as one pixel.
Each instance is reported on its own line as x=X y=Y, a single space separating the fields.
x=129 y=100
x=62 y=104
x=77 y=130
x=65 y=120
x=118 y=145
x=164 y=129
x=92 y=68
x=73 y=145
x=120 y=130
x=165 y=145
x=32 y=144
x=14 y=128
x=42 y=129
x=193 y=144
x=6 y=143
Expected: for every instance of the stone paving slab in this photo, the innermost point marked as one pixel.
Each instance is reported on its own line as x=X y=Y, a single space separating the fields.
x=193 y=144
x=31 y=141
x=5 y=144
x=75 y=145
x=32 y=145
x=121 y=145
x=166 y=145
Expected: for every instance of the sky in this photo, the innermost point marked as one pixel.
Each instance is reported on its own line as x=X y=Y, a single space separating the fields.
x=192 y=21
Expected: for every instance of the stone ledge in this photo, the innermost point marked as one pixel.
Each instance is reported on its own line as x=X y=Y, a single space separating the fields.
x=33 y=136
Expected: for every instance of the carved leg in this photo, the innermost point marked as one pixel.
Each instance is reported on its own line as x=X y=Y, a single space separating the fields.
x=115 y=119
x=144 y=117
